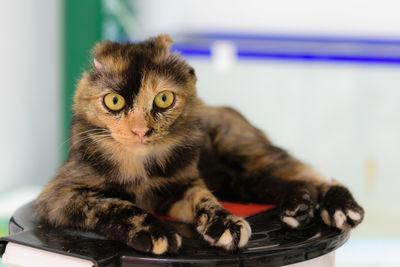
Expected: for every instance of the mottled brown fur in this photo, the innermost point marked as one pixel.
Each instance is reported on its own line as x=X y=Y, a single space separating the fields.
x=112 y=181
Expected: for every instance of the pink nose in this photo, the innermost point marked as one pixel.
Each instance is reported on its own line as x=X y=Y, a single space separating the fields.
x=140 y=133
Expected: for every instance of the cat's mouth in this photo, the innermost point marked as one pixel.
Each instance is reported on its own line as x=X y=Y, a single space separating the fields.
x=132 y=140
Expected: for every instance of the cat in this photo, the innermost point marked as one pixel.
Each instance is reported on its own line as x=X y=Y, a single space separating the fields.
x=143 y=143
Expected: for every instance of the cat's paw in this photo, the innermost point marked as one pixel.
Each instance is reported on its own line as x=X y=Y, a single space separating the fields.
x=223 y=229
x=340 y=210
x=297 y=210
x=154 y=236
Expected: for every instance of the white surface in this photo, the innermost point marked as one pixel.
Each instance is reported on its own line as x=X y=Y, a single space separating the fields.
x=223 y=55
x=327 y=260
x=30 y=91
x=369 y=252
x=12 y=200
x=341 y=17
x=22 y=256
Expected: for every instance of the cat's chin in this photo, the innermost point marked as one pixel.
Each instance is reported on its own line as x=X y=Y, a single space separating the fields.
x=135 y=148
x=131 y=142
x=134 y=145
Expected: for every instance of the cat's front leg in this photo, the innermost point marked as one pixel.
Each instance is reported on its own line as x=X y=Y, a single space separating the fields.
x=115 y=218
x=217 y=226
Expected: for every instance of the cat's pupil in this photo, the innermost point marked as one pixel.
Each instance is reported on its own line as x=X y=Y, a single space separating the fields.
x=164 y=97
x=115 y=100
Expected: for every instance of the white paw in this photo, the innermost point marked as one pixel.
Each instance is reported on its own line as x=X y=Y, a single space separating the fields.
x=160 y=245
x=300 y=215
x=355 y=216
x=292 y=222
x=342 y=220
x=245 y=233
x=178 y=240
x=227 y=241
x=229 y=232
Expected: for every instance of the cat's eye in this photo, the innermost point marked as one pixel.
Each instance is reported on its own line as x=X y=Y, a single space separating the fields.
x=114 y=102
x=164 y=99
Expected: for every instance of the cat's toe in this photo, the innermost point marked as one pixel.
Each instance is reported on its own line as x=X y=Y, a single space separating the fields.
x=157 y=238
x=236 y=234
x=245 y=233
x=146 y=242
x=160 y=245
x=297 y=211
x=229 y=232
x=341 y=219
x=340 y=210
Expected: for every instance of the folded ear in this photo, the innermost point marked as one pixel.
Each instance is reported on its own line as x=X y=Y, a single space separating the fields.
x=98 y=52
x=98 y=66
x=163 y=41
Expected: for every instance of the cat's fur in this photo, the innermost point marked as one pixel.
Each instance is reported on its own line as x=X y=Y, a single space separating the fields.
x=112 y=182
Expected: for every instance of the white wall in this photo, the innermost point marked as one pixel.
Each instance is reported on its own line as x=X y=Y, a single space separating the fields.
x=342 y=17
x=30 y=91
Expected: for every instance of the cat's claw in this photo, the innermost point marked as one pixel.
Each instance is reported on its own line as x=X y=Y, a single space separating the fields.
x=340 y=210
x=224 y=230
x=297 y=211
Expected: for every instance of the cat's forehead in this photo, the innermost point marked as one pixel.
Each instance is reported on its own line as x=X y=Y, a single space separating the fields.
x=125 y=67
x=154 y=50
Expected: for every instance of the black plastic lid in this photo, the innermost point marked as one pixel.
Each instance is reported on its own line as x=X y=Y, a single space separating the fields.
x=271 y=244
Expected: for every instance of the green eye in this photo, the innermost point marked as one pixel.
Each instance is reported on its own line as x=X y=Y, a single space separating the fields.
x=114 y=102
x=164 y=99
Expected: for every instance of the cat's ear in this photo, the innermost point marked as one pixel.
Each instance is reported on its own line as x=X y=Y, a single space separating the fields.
x=97 y=65
x=99 y=53
x=164 y=41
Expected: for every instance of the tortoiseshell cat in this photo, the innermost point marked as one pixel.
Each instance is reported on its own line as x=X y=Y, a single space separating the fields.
x=143 y=143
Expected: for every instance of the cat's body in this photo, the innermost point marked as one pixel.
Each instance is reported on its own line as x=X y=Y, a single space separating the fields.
x=143 y=143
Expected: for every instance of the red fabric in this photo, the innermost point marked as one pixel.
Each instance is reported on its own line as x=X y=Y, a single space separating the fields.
x=245 y=209
x=241 y=209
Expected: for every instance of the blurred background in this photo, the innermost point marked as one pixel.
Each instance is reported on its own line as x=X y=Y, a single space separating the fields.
x=322 y=79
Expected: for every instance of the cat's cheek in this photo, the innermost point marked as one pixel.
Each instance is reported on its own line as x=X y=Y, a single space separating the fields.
x=92 y=115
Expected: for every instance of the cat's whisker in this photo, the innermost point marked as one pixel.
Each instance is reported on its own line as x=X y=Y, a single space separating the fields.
x=90 y=138
x=89 y=131
x=84 y=132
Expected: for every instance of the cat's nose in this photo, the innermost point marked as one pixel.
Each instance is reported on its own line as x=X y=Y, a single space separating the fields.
x=141 y=133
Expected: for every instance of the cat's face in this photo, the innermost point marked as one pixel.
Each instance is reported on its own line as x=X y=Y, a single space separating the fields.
x=139 y=92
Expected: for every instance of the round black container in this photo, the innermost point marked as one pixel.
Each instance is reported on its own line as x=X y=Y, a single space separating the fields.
x=271 y=244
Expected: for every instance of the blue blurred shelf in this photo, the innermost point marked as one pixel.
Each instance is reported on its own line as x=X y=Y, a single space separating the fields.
x=294 y=47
